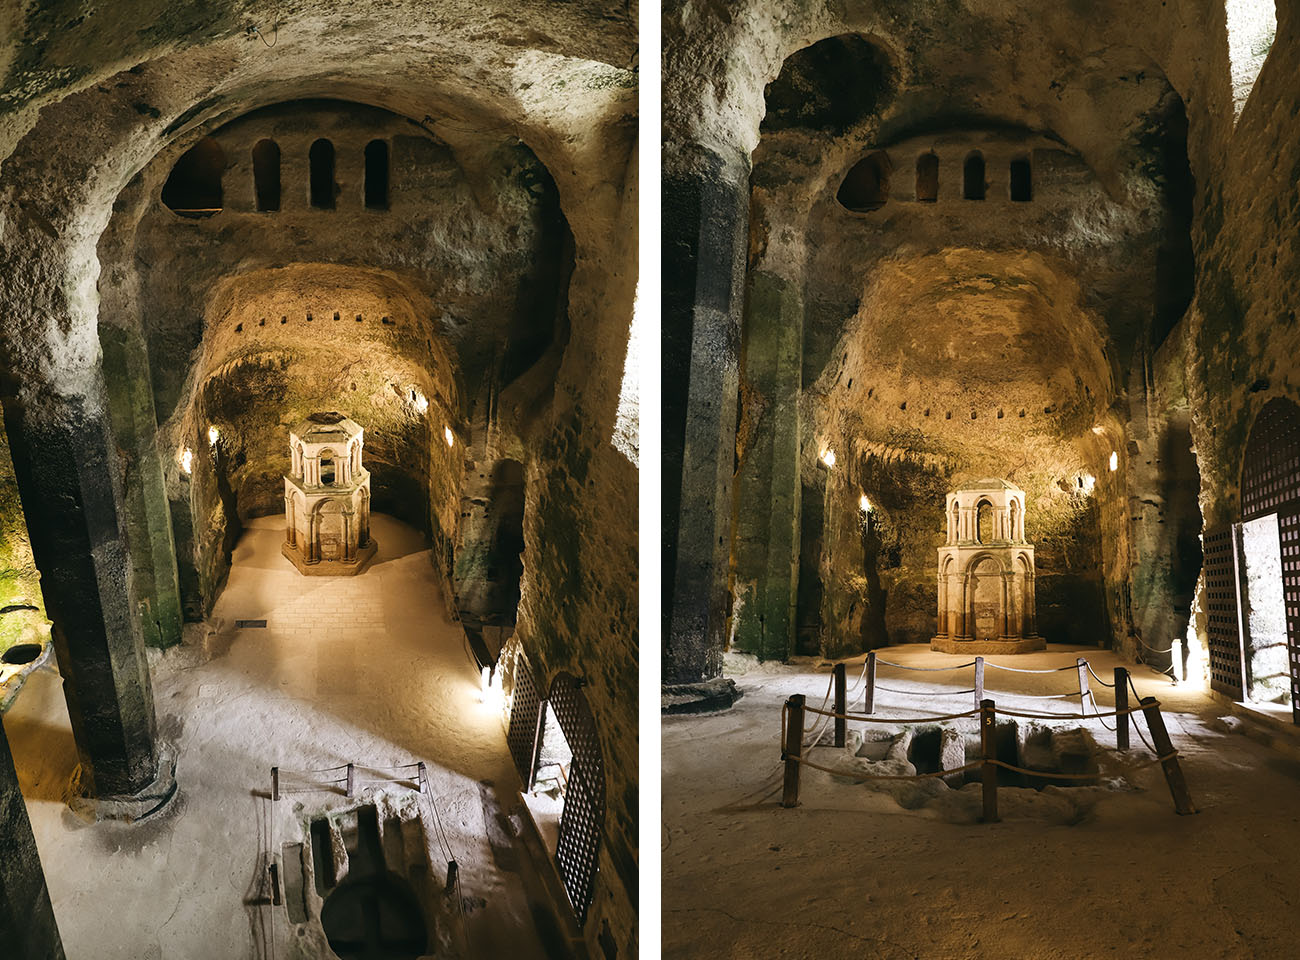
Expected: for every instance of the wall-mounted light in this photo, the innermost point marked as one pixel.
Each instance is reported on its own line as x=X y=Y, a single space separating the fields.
x=864 y=504
x=213 y=435
x=1086 y=483
x=449 y=436
x=827 y=456
x=1099 y=430
x=420 y=400
x=1114 y=461
x=185 y=457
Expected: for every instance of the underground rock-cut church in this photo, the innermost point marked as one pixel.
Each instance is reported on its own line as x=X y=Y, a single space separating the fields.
x=1037 y=263
x=318 y=480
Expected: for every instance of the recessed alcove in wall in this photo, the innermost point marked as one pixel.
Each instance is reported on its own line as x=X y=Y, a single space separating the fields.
x=866 y=187
x=396 y=380
x=193 y=188
x=979 y=331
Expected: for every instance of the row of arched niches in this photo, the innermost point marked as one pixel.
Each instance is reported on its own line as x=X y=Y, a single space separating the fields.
x=195 y=189
x=954 y=167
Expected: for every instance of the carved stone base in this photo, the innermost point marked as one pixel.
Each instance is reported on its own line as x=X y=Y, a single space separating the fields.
x=130 y=809
x=1004 y=645
x=331 y=568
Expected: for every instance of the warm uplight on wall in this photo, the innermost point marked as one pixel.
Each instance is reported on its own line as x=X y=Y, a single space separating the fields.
x=1087 y=482
x=1099 y=430
x=420 y=400
x=186 y=459
x=1114 y=461
x=864 y=504
x=827 y=457
x=213 y=435
x=449 y=436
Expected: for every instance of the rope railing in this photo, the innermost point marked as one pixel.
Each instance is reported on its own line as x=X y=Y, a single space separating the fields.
x=795 y=708
x=1081 y=667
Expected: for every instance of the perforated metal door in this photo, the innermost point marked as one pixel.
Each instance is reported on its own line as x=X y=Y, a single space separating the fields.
x=1270 y=483
x=1289 y=530
x=1223 y=623
x=1270 y=476
x=525 y=713
x=583 y=819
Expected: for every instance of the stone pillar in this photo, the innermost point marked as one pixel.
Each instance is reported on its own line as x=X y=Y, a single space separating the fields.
x=705 y=238
x=1031 y=606
x=363 y=535
x=27 y=927
x=68 y=481
x=349 y=546
x=313 y=538
x=941 y=628
x=290 y=523
x=1006 y=604
x=768 y=496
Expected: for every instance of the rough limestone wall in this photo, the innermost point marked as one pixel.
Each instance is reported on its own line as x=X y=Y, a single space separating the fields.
x=580 y=493
x=1243 y=341
x=22 y=610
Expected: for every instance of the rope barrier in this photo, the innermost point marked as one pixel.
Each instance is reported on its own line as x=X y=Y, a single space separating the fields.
x=903 y=666
x=1095 y=677
x=1152 y=649
x=998 y=666
x=818 y=731
x=864 y=777
x=925 y=693
x=1138 y=728
x=1092 y=698
x=866 y=718
x=1071 y=716
x=858 y=682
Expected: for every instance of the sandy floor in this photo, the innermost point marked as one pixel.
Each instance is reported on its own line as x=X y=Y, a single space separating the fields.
x=366 y=669
x=1108 y=871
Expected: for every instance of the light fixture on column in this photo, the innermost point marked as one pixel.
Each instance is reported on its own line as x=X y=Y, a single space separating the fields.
x=827 y=456
x=214 y=435
x=185 y=457
x=449 y=436
x=1114 y=461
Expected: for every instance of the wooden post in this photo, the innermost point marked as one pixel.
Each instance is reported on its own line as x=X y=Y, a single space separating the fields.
x=989 y=753
x=352 y=779
x=793 y=750
x=420 y=774
x=274 y=870
x=1082 y=667
x=1121 y=703
x=275 y=783
x=870 y=695
x=841 y=698
x=979 y=682
x=1164 y=749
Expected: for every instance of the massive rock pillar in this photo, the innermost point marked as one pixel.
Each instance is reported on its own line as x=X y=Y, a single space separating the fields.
x=68 y=482
x=27 y=927
x=705 y=236
x=768 y=500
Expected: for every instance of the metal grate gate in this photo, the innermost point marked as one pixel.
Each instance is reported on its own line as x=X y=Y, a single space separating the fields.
x=1270 y=476
x=525 y=714
x=1289 y=530
x=1270 y=483
x=583 y=818
x=1220 y=565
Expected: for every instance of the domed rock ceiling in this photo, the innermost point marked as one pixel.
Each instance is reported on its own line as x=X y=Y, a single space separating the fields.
x=949 y=283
